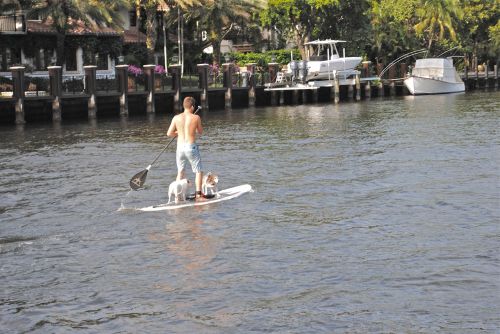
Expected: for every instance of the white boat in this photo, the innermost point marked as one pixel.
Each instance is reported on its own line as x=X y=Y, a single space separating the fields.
x=325 y=62
x=434 y=76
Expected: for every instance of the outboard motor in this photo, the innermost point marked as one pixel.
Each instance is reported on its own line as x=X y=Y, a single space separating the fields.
x=303 y=71
x=294 y=67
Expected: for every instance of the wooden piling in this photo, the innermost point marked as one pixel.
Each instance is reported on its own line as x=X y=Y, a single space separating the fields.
x=476 y=71
x=381 y=91
x=337 y=89
x=282 y=97
x=251 y=84
x=392 y=85
x=149 y=72
x=273 y=75
x=350 y=91
x=175 y=72
x=487 y=75
x=466 y=74
x=122 y=83
x=18 y=93
x=358 y=88
x=315 y=95
x=203 y=85
x=392 y=89
x=368 y=90
x=295 y=96
x=495 y=69
x=55 y=78
x=90 y=89
x=228 y=84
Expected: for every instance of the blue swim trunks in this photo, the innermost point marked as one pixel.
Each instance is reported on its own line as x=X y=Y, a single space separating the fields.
x=188 y=153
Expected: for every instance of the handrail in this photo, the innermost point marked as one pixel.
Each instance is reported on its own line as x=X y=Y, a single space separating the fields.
x=397 y=60
x=456 y=47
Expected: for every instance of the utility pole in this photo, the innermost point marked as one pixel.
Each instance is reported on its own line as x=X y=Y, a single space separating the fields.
x=165 y=46
x=180 y=39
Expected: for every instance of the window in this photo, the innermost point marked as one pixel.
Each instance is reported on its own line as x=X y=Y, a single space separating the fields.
x=133 y=18
x=8 y=58
x=102 y=61
x=15 y=57
x=39 y=61
x=3 y=60
x=71 y=64
x=42 y=59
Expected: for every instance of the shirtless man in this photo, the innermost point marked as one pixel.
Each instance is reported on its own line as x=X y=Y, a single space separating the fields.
x=185 y=126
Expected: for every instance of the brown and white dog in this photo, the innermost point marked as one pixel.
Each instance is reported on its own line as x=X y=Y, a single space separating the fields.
x=209 y=185
x=179 y=190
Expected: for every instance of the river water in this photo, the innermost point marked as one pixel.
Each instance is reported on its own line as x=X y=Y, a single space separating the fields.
x=379 y=216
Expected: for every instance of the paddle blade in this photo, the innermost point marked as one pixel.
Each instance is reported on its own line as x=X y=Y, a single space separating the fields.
x=137 y=181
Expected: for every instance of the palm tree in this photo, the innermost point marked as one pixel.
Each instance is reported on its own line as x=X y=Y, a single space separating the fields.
x=151 y=8
x=219 y=16
x=63 y=15
x=436 y=17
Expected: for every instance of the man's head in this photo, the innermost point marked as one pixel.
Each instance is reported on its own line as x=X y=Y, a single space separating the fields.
x=189 y=103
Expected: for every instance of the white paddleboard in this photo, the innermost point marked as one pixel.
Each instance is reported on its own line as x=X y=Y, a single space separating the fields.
x=224 y=195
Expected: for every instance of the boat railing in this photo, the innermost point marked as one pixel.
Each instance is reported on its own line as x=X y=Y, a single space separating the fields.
x=397 y=60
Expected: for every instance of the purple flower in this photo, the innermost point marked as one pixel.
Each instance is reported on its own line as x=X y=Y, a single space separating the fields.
x=213 y=69
x=132 y=69
x=160 y=69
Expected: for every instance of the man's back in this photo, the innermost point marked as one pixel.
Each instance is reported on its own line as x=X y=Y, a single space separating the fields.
x=187 y=125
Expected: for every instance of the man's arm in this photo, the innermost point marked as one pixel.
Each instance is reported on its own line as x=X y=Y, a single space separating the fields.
x=172 y=130
x=199 y=128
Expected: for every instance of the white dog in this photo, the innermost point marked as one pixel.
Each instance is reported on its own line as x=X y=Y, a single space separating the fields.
x=178 y=189
x=209 y=185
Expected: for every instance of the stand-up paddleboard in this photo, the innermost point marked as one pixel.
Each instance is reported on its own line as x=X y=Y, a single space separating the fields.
x=223 y=195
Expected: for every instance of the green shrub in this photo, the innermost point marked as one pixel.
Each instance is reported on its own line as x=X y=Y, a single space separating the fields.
x=281 y=57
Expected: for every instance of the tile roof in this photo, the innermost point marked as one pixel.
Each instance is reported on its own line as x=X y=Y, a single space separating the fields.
x=78 y=28
x=133 y=36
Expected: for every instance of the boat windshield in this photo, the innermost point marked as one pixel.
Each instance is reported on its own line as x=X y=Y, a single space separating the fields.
x=323 y=50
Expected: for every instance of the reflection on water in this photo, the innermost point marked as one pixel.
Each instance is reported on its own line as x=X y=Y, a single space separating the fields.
x=370 y=217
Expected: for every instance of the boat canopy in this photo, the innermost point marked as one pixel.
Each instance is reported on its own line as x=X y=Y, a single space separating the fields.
x=325 y=42
x=433 y=63
x=436 y=68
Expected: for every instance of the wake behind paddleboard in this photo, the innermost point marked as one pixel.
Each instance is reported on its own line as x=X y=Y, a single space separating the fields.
x=223 y=195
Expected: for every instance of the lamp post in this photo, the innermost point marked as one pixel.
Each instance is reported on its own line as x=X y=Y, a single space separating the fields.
x=165 y=61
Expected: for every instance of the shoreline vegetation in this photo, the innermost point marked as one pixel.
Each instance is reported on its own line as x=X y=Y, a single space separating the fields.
x=379 y=31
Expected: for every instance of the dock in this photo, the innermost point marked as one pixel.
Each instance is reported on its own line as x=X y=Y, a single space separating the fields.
x=56 y=98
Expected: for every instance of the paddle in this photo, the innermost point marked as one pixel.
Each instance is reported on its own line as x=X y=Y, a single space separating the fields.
x=137 y=181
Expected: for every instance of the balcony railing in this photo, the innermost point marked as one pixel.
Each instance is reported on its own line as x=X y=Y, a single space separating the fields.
x=12 y=24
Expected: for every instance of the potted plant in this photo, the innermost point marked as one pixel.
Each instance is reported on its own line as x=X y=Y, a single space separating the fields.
x=134 y=72
x=160 y=71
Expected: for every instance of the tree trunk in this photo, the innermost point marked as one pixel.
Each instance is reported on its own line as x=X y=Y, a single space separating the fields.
x=60 y=48
x=430 y=45
x=300 y=40
x=216 y=51
x=151 y=34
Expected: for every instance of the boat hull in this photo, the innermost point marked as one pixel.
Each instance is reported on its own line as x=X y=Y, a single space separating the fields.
x=323 y=69
x=421 y=86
